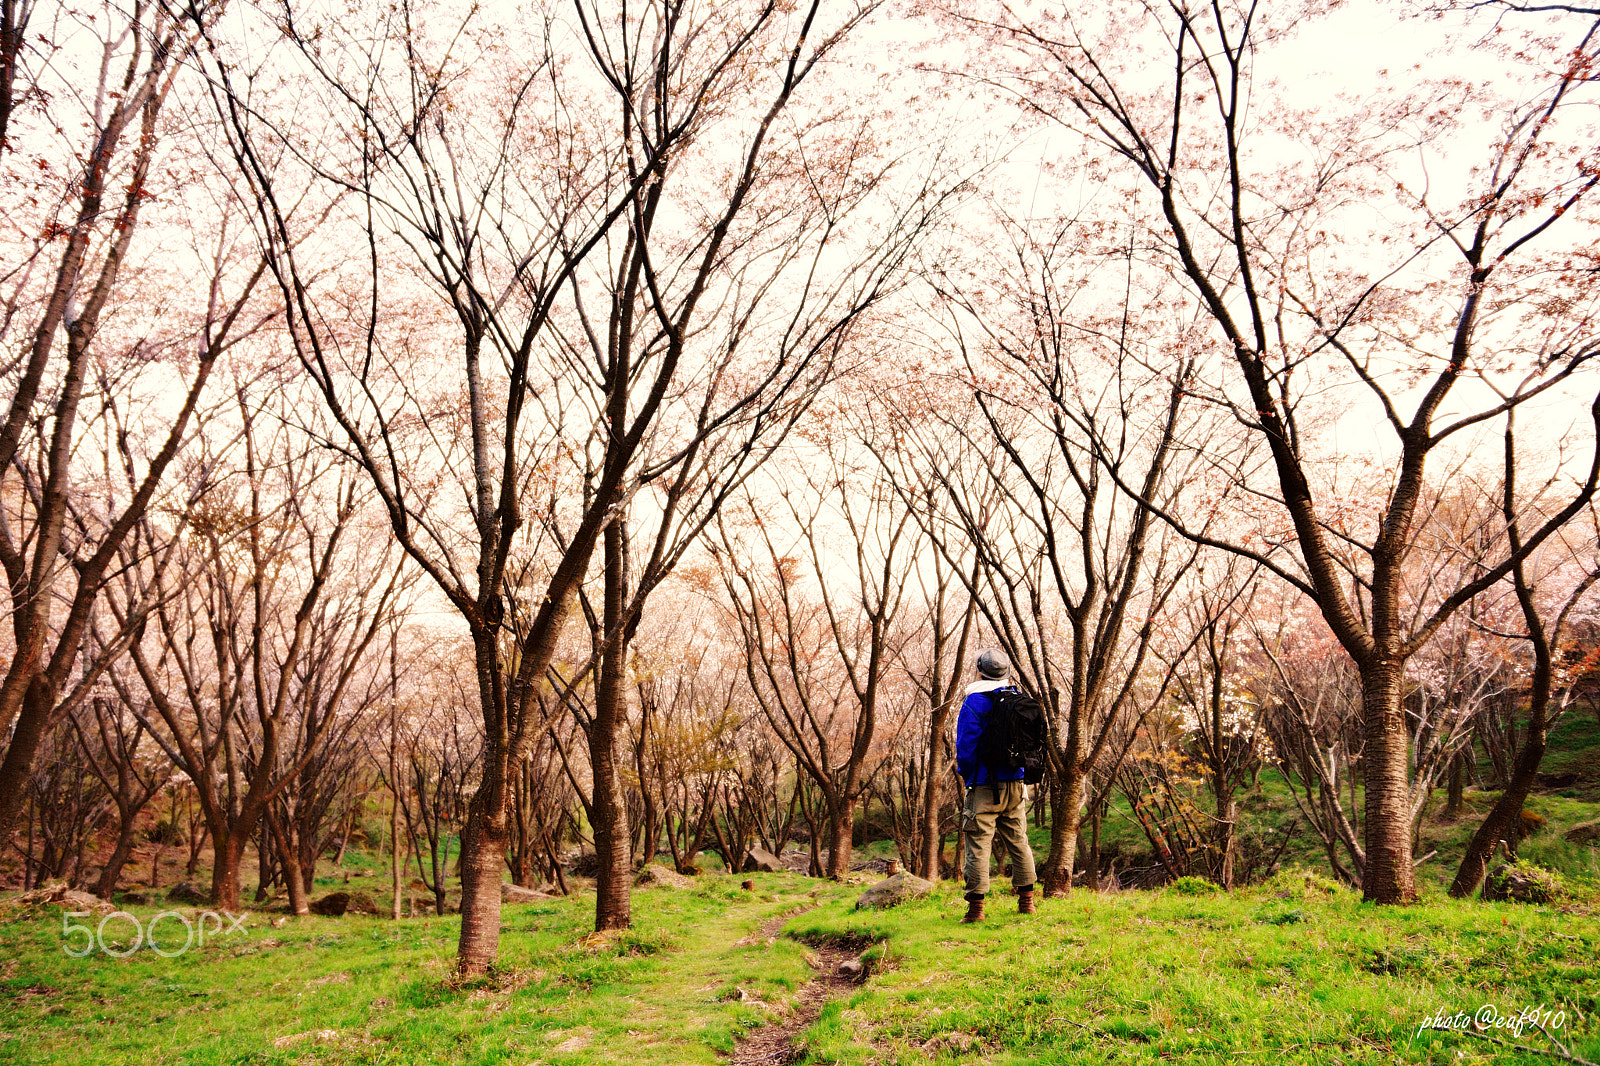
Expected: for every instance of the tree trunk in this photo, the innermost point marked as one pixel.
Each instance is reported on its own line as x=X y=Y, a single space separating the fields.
x=814 y=831
x=37 y=702
x=266 y=868
x=27 y=856
x=1504 y=820
x=1091 y=866
x=1227 y=819
x=112 y=873
x=344 y=840
x=198 y=831
x=1456 y=801
x=928 y=861
x=647 y=819
x=394 y=853
x=613 y=880
x=649 y=835
x=1387 y=875
x=610 y=822
x=1502 y=823
x=1066 y=814
x=488 y=828
x=483 y=843
x=229 y=853
x=841 y=827
x=292 y=877
x=522 y=872
x=289 y=860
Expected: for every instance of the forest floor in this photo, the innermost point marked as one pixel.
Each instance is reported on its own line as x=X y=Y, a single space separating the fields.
x=1296 y=969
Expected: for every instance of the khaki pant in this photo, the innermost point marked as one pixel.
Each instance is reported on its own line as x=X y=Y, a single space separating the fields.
x=984 y=814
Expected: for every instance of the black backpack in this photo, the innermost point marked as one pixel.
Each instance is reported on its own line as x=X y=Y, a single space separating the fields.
x=1014 y=735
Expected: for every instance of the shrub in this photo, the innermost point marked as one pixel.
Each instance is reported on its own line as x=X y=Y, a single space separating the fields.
x=1297 y=880
x=166 y=834
x=1524 y=882
x=1194 y=886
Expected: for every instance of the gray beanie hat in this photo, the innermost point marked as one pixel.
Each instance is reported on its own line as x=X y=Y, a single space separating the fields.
x=993 y=664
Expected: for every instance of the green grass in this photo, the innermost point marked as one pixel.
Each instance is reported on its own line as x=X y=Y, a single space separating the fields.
x=1573 y=746
x=1294 y=971
x=667 y=991
x=1297 y=971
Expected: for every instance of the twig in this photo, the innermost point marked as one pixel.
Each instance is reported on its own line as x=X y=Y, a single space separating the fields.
x=1080 y=1025
x=1548 y=1035
x=1561 y=1054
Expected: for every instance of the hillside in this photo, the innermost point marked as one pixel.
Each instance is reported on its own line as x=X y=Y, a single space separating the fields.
x=1271 y=828
x=1297 y=968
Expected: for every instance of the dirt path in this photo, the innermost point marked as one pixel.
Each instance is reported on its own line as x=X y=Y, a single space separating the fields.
x=773 y=1044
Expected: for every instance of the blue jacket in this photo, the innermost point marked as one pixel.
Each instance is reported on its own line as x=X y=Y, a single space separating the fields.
x=969 y=731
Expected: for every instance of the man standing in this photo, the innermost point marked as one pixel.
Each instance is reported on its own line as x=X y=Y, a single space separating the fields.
x=996 y=798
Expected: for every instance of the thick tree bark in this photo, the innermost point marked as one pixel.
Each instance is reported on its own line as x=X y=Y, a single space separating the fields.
x=841 y=828
x=295 y=881
x=1387 y=875
x=266 y=868
x=1067 y=794
x=229 y=854
x=38 y=702
x=483 y=844
x=610 y=821
x=488 y=829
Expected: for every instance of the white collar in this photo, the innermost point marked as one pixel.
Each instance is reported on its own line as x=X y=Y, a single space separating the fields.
x=988 y=685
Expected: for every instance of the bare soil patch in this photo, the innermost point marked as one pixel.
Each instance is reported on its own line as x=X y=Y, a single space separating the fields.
x=773 y=1044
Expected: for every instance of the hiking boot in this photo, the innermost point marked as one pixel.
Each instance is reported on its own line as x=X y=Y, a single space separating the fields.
x=1025 y=904
x=974 y=909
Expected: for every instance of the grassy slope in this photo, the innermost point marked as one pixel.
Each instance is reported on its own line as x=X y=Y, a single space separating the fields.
x=1312 y=976
x=666 y=992
x=1298 y=970
x=1574 y=745
x=1270 y=810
